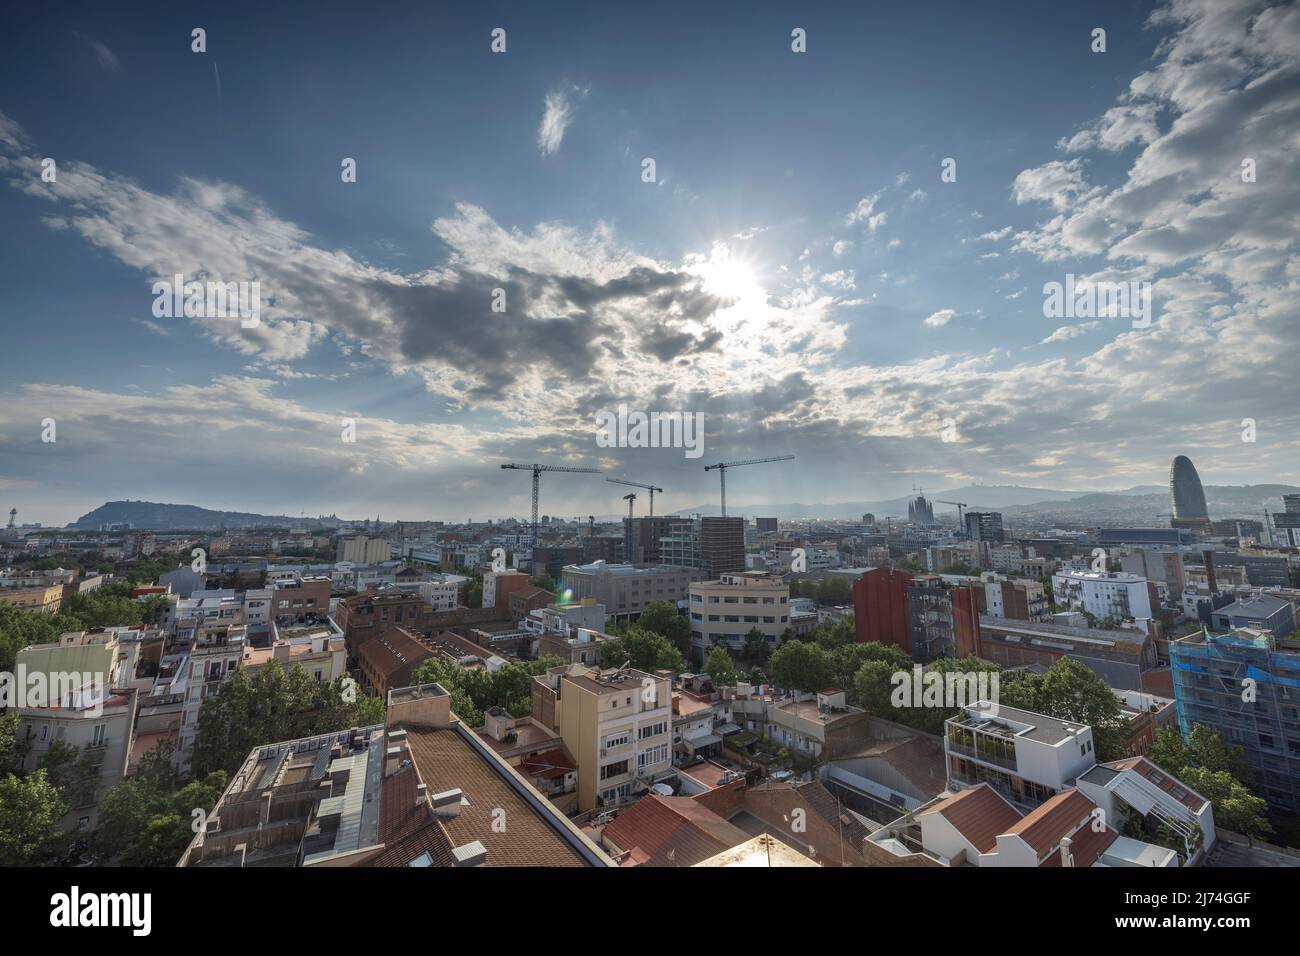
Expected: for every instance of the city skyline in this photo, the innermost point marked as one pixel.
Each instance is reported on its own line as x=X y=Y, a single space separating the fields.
x=799 y=272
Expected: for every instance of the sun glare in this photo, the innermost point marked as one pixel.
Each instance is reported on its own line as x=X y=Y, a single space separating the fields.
x=729 y=277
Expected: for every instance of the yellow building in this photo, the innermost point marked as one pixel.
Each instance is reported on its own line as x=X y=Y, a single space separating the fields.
x=617 y=724
x=723 y=612
x=46 y=599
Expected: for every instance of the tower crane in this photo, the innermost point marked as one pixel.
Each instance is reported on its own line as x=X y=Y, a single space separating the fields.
x=636 y=484
x=631 y=528
x=959 y=504
x=722 y=466
x=537 y=480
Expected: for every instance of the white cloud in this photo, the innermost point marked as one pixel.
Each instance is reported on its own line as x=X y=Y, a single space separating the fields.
x=940 y=318
x=556 y=117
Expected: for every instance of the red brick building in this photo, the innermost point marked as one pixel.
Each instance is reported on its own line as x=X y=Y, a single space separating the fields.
x=880 y=608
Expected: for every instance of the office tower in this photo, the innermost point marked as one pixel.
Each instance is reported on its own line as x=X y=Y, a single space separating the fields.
x=1187 y=496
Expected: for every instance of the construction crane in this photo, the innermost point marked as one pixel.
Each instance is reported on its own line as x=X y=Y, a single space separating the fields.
x=636 y=484
x=537 y=480
x=722 y=466
x=631 y=528
x=959 y=504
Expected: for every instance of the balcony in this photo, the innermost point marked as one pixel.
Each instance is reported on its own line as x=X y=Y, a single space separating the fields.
x=981 y=755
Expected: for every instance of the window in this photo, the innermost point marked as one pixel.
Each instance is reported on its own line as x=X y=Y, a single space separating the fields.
x=651 y=730
x=97 y=737
x=618 y=739
x=616 y=769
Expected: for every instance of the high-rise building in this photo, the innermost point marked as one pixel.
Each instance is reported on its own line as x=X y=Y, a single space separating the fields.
x=714 y=545
x=1187 y=496
x=984 y=525
x=722 y=545
x=766 y=525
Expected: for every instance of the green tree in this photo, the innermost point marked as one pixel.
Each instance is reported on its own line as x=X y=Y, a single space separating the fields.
x=756 y=676
x=1073 y=691
x=145 y=820
x=644 y=650
x=272 y=705
x=662 y=618
x=832 y=636
x=72 y=772
x=30 y=811
x=9 y=749
x=720 y=667
x=1235 y=807
x=799 y=666
x=756 y=648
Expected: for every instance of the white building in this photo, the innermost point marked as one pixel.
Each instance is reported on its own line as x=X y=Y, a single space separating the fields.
x=1118 y=595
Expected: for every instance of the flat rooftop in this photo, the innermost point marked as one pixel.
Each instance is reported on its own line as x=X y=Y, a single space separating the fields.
x=1044 y=729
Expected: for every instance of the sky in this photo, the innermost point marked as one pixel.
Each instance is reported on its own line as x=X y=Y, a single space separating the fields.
x=799 y=270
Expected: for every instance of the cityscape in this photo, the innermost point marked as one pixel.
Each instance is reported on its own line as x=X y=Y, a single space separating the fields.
x=747 y=437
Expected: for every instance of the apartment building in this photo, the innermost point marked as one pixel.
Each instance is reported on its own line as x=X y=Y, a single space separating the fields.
x=320 y=651
x=1118 y=595
x=213 y=654
x=499 y=585
x=617 y=724
x=45 y=598
x=724 y=611
x=1210 y=675
x=443 y=595
x=93 y=720
x=626 y=589
x=821 y=726
x=302 y=598
x=360 y=549
x=1025 y=757
x=421 y=790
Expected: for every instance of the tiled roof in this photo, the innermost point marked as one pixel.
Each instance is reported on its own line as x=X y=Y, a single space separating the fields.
x=979 y=814
x=830 y=830
x=1086 y=845
x=446 y=760
x=392 y=650
x=671 y=831
x=1058 y=816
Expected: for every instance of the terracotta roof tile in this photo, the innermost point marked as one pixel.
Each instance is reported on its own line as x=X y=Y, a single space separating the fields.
x=1058 y=816
x=979 y=814
x=670 y=831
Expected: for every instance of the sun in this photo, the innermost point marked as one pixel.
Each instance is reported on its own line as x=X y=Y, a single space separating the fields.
x=728 y=276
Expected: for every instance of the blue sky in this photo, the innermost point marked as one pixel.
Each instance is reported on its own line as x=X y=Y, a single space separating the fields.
x=798 y=272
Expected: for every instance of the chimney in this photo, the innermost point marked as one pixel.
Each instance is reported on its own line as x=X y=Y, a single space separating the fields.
x=470 y=854
x=1067 y=858
x=396 y=753
x=422 y=795
x=447 y=803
